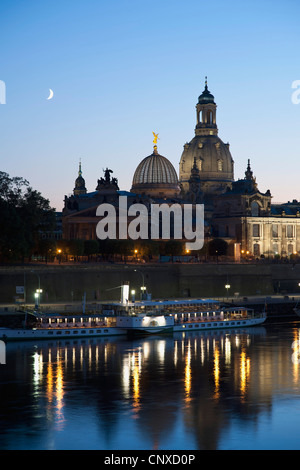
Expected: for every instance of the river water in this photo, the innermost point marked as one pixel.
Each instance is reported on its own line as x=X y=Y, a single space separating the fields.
x=237 y=389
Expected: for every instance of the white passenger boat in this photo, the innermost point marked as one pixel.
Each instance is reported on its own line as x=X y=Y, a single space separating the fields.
x=63 y=326
x=148 y=317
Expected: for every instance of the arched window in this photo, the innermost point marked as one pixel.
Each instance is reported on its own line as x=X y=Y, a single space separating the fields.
x=209 y=116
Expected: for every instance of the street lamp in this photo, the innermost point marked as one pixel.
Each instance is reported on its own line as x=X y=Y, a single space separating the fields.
x=227 y=286
x=38 y=291
x=37 y=297
x=143 y=288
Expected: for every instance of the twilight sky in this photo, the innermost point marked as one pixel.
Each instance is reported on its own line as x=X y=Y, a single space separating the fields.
x=122 y=69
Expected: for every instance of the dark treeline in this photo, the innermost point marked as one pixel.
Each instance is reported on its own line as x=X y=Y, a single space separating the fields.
x=24 y=214
x=107 y=250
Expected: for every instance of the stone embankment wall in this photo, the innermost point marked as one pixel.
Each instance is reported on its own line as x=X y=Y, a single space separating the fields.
x=100 y=282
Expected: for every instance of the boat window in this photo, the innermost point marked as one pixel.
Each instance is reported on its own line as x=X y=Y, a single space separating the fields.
x=98 y=331
x=215 y=324
x=196 y=326
x=58 y=332
x=105 y=331
x=190 y=326
x=220 y=324
x=83 y=332
x=91 y=331
x=50 y=332
x=203 y=325
x=67 y=332
x=75 y=332
x=232 y=323
x=208 y=324
x=244 y=323
x=238 y=323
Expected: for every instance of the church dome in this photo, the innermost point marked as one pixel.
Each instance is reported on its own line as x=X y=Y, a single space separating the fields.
x=207 y=152
x=155 y=176
x=212 y=156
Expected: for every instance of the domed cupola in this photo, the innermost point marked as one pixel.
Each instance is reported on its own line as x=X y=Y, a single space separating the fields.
x=79 y=183
x=156 y=176
x=211 y=155
x=206 y=96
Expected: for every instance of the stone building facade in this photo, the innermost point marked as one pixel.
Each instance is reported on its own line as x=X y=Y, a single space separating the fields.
x=236 y=211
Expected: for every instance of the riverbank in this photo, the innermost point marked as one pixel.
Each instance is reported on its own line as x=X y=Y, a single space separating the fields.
x=101 y=282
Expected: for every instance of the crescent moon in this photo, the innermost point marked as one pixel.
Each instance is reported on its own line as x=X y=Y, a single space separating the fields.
x=51 y=94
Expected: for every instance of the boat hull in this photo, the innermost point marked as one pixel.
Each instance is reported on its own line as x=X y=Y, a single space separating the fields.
x=149 y=331
x=213 y=325
x=10 y=334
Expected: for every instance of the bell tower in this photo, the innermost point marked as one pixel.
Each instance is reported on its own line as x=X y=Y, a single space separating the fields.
x=206 y=114
x=79 y=183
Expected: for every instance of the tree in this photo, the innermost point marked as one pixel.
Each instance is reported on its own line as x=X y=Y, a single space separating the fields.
x=24 y=215
x=217 y=247
x=174 y=248
x=91 y=247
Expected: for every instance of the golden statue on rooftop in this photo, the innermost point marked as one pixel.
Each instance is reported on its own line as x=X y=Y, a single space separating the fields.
x=155 y=137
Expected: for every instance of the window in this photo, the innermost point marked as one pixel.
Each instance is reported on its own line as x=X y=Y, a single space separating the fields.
x=256 y=249
x=275 y=248
x=275 y=231
x=256 y=230
x=254 y=209
x=290 y=248
x=290 y=231
x=220 y=165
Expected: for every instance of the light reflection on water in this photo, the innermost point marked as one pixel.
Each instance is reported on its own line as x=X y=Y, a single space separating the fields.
x=214 y=390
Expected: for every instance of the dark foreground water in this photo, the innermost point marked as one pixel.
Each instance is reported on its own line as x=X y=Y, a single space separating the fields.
x=219 y=390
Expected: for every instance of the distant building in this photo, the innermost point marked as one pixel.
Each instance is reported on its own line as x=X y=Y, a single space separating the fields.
x=246 y=216
x=207 y=155
x=236 y=211
x=155 y=181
